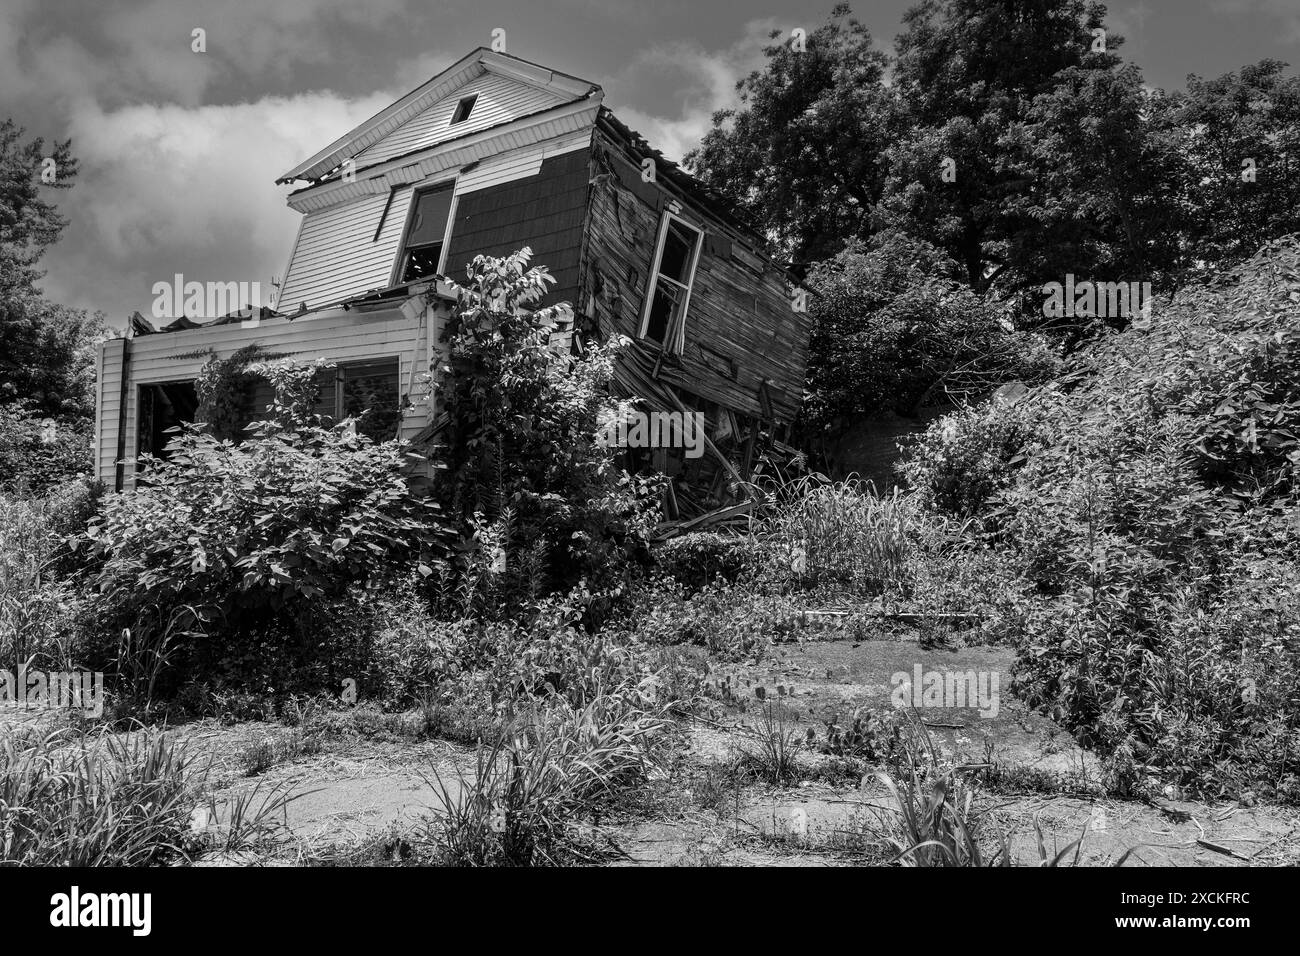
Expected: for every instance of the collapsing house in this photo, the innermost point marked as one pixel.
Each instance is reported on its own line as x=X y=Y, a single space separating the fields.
x=489 y=156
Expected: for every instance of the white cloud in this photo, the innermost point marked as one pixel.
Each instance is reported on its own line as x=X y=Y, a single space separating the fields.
x=708 y=83
x=167 y=189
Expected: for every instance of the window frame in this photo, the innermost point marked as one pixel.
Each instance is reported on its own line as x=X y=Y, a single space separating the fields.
x=399 y=267
x=337 y=382
x=472 y=99
x=652 y=281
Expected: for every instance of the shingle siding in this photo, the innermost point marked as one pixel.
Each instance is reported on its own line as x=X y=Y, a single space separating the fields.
x=544 y=212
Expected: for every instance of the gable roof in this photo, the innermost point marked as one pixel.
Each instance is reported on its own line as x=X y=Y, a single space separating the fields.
x=562 y=88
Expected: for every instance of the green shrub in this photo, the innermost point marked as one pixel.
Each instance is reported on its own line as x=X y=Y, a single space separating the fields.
x=39 y=453
x=730 y=622
x=701 y=558
x=894 y=328
x=237 y=555
x=528 y=480
x=962 y=460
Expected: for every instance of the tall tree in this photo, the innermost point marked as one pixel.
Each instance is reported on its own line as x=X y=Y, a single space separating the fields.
x=45 y=349
x=1240 y=145
x=967 y=71
x=803 y=155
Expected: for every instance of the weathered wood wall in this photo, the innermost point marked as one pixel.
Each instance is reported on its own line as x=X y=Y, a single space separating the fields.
x=740 y=328
x=411 y=336
x=543 y=211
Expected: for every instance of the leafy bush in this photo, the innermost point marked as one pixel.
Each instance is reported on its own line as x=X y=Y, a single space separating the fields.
x=895 y=329
x=258 y=544
x=38 y=453
x=960 y=462
x=1151 y=513
x=732 y=622
x=522 y=434
x=700 y=558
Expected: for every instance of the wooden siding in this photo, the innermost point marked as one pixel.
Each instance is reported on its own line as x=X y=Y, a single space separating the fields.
x=740 y=327
x=500 y=100
x=408 y=334
x=544 y=211
x=108 y=405
x=337 y=255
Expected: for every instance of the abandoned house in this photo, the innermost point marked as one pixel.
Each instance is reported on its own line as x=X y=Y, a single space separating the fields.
x=489 y=156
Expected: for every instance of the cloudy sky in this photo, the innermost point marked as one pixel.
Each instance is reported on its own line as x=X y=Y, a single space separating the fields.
x=179 y=150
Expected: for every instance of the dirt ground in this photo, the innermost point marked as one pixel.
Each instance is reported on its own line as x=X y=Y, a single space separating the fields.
x=353 y=788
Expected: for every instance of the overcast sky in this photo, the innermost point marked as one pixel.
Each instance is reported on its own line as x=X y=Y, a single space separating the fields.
x=179 y=150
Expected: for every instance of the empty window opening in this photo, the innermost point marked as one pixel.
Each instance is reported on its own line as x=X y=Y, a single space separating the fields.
x=163 y=408
x=463 y=109
x=422 y=251
x=669 y=294
x=344 y=391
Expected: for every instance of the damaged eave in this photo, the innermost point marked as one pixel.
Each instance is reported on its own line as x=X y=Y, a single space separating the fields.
x=449 y=154
x=323 y=164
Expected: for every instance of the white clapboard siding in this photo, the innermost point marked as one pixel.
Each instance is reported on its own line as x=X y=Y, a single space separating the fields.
x=500 y=100
x=520 y=163
x=336 y=336
x=108 y=402
x=337 y=255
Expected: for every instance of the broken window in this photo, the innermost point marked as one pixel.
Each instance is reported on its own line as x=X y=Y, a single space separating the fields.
x=463 y=109
x=163 y=407
x=678 y=251
x=345 y=391
x=422 y=251
x=355 y=387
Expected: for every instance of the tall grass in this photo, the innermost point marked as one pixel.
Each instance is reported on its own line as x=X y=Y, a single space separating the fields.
x=31 y=603
x=844 y=533
x=553 y=766
x=935 y=823
x=103 y=799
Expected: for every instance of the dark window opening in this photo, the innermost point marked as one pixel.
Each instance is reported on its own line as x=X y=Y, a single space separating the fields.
x=423 y=248
x=163 y=408
x=345 y=391
x=355 y=387
x=463 y=109
x=670 y=287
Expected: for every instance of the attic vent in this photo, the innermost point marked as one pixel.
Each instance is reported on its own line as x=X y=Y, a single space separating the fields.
x=463 y=109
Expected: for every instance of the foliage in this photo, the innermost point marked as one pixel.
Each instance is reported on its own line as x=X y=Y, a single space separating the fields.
x=1221 y=123
x=260 y=540
x=47 y=360
x=39 y=595
x=893 y=330
x=963 y=459
x=701 y=558
x=46 y=350
x=775 y=745
x=103 y=799
x=38 y=453
x=1151 y=516
x=526 y=473
x=550 y=769
x=934 y=819
x=732 y=623
x=802 y=154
